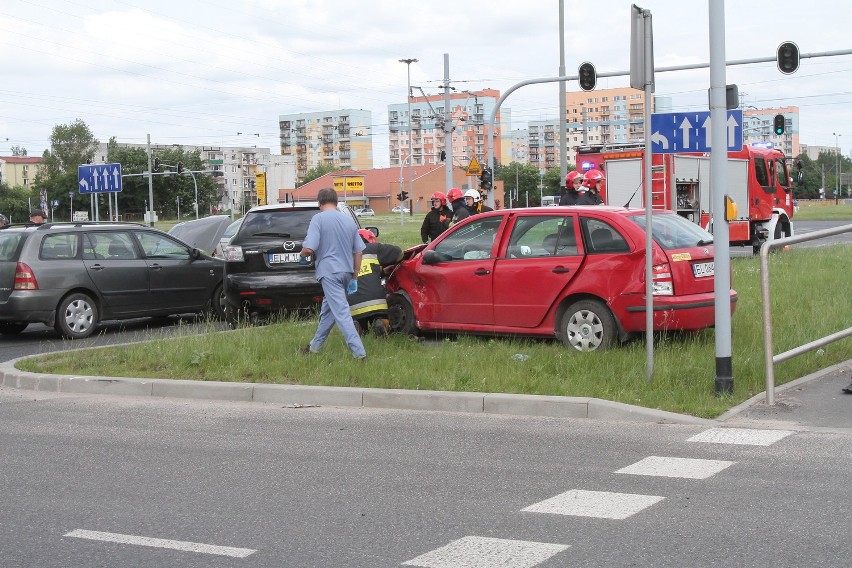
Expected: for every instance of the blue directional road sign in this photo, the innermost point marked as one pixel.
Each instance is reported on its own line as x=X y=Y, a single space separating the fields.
x=690 y=132
x=99 y=178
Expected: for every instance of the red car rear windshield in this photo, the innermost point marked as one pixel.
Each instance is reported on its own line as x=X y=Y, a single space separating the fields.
x=672 y=231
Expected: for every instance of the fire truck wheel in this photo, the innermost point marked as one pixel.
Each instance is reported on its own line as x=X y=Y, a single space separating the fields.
x=587 y=325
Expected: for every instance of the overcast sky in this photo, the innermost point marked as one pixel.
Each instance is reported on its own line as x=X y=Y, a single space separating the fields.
x=189 y=72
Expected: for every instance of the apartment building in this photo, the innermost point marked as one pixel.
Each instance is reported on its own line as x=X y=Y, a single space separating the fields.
x=19 y=170
x=338 y=138
x=758 y=128
x=467 y=117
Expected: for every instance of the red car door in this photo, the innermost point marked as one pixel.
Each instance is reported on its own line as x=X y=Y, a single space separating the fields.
x=540 y=260
x=459 y=289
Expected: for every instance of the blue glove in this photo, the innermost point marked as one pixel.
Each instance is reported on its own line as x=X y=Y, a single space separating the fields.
x=352 y=287
x=304 y=260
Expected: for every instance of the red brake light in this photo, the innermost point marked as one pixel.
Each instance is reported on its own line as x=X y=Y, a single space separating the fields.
x=24 y=278
x=663 y=284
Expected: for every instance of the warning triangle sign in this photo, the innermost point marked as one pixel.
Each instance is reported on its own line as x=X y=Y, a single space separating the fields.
x=473 y=168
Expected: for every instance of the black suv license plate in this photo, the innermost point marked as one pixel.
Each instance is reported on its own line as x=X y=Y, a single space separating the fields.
x=283 y=257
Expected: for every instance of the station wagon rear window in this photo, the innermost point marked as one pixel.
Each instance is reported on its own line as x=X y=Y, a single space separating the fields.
x=9 y=245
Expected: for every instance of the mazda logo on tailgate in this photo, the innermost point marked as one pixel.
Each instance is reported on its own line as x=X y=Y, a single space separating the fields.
x=289 y=245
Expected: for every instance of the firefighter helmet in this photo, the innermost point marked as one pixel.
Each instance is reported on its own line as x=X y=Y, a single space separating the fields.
x=367 y=236
x=576 y=174
x=453 y=194
x=473 y=194
x=439 y=196
x=592 y=178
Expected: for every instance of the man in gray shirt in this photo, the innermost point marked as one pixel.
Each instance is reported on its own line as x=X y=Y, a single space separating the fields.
x=334 y=243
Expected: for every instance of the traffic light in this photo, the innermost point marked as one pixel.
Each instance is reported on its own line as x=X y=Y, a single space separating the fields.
x=778 y=124
x=485 y=179
x=443 y=155
x=587 y=76
x=788 y=57
x=180 y=168
x=156 y=163
x=402 y=196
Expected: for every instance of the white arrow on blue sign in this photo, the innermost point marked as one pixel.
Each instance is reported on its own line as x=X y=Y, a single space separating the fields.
x=690 y=132
x=99 y=178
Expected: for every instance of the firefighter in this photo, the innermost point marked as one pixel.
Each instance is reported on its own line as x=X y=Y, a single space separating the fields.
x=437 y=219
x=473 y=202
x=573 y=183
x=592 y=180
x=456 y=199
x=369 y=305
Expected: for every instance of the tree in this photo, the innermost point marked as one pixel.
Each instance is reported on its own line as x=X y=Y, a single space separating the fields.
x=71 y=145
x=19 y=151
x=14 y=203
x=317 y=172
x=520 y=181
x=817 y=174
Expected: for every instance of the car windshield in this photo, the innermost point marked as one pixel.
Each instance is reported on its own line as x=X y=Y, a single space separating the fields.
x=289 y=223
x=672 y=231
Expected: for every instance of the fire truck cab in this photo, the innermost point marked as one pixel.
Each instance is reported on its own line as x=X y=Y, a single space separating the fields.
x=757 y=181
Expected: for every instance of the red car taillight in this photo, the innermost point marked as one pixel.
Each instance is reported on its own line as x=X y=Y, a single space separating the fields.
x=24 y=278
x=663 y=284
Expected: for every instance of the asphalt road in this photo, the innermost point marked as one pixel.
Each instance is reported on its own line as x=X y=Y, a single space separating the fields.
x=317 y=487
x=38 y=338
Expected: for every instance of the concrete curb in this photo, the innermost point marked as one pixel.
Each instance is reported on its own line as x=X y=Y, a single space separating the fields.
x=472 y=402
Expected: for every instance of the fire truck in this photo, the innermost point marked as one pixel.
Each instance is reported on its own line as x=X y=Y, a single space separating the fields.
x=757 y=181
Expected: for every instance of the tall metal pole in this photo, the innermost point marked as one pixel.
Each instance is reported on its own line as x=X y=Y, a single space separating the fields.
x=718 y=174
x=836 y=169
x=150 y=186
x=648 y=87
x=448 y=127
x=563 y=111
x=408 y=63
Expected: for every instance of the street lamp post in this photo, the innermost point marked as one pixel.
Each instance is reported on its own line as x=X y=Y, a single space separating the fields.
x=408 y=63
x=836 y=168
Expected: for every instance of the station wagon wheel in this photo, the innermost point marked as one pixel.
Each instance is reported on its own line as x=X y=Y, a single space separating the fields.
x=76 y=316
x=12 y=328
x=587 y=325
x=401 y=315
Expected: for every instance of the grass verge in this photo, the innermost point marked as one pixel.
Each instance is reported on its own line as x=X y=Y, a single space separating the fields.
x=810 y=292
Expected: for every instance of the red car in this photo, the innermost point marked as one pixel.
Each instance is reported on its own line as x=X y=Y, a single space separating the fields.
x=574 y=273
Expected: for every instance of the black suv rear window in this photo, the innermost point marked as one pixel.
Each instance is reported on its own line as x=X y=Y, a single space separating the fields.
x=287 y=223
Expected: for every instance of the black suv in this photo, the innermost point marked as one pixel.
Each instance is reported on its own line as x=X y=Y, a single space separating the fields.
x=262 y=270
x=73 y=275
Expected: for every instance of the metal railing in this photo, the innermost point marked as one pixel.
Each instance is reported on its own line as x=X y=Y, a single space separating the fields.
x=769 y=358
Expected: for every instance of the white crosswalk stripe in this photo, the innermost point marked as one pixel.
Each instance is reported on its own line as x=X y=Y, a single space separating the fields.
x=740 y=436
x=688 y=468
x=482 y=552
x=600 y=504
